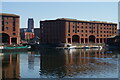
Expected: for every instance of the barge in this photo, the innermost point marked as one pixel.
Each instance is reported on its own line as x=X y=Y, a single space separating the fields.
x=14 y=48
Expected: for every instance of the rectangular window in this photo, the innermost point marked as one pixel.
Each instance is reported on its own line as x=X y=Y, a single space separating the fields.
x=13 y=19
x=6 y=28
x=2 y=28
x=14 y=33
x=2 y=22
x=13 y=23
x=6 y=18
x=2 y=18
x=13 y=28
x=42 y=24
x=6 y=22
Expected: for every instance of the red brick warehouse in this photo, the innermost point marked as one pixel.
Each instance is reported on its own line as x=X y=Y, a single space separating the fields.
x=65 y=30
x=10 y=29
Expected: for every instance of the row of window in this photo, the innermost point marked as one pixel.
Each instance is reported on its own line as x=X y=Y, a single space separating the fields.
x=50 y=23
x=94 y=27
x=7 y=28
x=8 y=23
x=94 y=31
x=6 y=18
x=97 y=35
x=101 y=24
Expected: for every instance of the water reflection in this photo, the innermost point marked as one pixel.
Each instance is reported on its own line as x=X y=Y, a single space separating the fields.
x=10 y=66
x=77 y=63
x=54 y=63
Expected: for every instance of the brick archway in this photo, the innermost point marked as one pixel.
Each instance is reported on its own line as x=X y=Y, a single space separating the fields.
x=92 y=39
x=75 y=39
x=5 y=38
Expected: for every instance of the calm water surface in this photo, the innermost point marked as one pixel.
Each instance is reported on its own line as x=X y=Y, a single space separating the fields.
x=53 y=63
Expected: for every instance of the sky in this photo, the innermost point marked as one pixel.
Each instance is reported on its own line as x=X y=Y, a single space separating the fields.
x=90 y=11
x=119 y=12
x=59 y=0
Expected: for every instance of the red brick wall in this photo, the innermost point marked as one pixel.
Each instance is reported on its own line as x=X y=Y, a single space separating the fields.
x=29 y=35
x=56 y=31
x=8 y=28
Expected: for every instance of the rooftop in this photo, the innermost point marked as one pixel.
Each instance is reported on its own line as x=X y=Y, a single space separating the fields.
x=6 y=14
x=68 y=19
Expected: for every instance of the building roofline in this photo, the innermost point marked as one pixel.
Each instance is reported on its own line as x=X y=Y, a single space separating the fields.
x=9 y=15
x=75 y=20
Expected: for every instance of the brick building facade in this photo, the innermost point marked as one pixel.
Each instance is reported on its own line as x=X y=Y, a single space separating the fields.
x=25 y=35
x=29 y=35
x=10 y=29
x=65 y=30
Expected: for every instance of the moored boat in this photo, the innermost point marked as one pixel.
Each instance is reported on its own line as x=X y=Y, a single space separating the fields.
x=15 y=47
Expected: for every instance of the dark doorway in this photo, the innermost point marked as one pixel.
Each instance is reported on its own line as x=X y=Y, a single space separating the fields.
x=75 y=39
x=69 y=40
x=92 y=39
x=14 y=40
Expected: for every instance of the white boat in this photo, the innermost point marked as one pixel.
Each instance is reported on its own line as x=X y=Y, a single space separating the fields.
x=72 y=47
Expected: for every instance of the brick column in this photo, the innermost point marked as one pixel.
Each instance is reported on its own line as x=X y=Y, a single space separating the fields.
x=71 y=40
x=18 y=40
x=99 y=40
x=66 y=40
x=102 y=40
x=105 y=40
x=10 y=40
x=80 y=40
x=88 y=40
x=95 y=40
x=84 y=40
